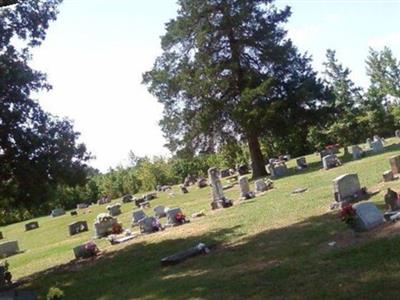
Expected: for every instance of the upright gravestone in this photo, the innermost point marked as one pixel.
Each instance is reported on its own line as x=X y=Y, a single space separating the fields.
x=77 y=227
x=377 y=146
x=277 y=170
x=127 y=198
x=147 y=224
x=8 y=248
x=397 y=133
x=388 y=176
x=137 y=215
x=330 y=161
x=395 y=164
x=31 y=226
x=171 y=216
x=368 y=216
x=260 y=186
x=225 y=173
x=159 y=211
x=57 y=212
x=184 y=189
x=202 y=182
x=82 y=206
x=346 y=187
x=103 y=225
x=245 y=192
x=357 y=152
x=392 y=200
x=301 y=163
x=218 y=198
x=114 y=210
x=243 y=170
x=368 y=142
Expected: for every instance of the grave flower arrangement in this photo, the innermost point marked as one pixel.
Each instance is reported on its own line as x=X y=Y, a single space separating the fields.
x=180 y=217
x=91 y=249
x=117 y=228
x=348 y=215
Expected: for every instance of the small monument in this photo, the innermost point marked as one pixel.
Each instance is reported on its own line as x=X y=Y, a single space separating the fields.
x=218 y=198
x=175 y=216
x=31 y=226
x=114 y=210
x=244 y=186
x=77 y=227
x=103 y=225
x=184 y=189
x=261 y=186
x=137 y=215
x=127 y=198
x=330 y=161
x=395 y=164
x=202 y=182
x=368 y=216
x=388 y=176
x=149 y=225
x=8 y=248
x=397 y=133
x=277 y=169
x=82 y=205
x=57 y=212
x=357 y=152
x=392 y=200
x=377 y=146
x=346 y=187
x=159 y=211
x=301 y=163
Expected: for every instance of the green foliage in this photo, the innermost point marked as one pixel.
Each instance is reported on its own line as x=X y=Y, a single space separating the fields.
x=227 y=72
x=55 y=294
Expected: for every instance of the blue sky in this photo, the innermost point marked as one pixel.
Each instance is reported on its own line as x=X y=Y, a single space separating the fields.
x=97 y=50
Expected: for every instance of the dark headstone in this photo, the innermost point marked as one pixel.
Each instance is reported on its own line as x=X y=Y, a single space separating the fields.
x=74 y=213
x=392 y=200
x=31 y=226
x=127 y=198
x=77 y=227
x=243 y=170
x=225 y=173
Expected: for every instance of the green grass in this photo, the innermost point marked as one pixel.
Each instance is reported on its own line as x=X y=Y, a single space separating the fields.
x=268 y=248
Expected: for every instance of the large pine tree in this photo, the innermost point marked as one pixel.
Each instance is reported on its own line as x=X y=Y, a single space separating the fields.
x=228 y=70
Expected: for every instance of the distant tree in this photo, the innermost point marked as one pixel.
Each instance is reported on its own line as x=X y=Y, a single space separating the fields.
x=347 y=99
x=383 y=70
x=228 y=72
x=37 y=151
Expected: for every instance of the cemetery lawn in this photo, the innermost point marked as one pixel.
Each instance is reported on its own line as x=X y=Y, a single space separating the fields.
x=273 y=247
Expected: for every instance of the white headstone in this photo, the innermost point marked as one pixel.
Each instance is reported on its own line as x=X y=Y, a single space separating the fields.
x=57 y=212
x=346 y=186
x=159 y=211
x=356 y=151
x=329 y=161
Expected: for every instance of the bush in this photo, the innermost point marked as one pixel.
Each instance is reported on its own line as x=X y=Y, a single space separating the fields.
x=55 y=294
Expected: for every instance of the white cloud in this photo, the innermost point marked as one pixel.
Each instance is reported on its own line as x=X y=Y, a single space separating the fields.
x=304 y=34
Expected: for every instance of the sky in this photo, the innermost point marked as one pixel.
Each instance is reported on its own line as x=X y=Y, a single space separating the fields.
x=97 y=50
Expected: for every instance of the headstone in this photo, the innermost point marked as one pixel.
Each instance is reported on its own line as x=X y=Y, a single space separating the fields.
x=147 y=224
x=218 y=198
x=377 y=146
x=145 y=204
x=397 y=133
x=138 y=201
x=104 y=200
x=357 y=152
x=57 y=212
x=202 y=182
x=324 y=153
x=150 y=196
x=171 y=216
x=159 y=211
x=260 y=186
x=114 y=210
x=127 y=198
x=103 y=225
x=244 y=186
x=346 y=187
x=277 y=170
x=392 y=200
x=376 y=138
x=225 y=173
x=82 y=251
x=74 y=213
x=82 y=205
x=395 y=164
x=330 y=161
x=368 y=142
x=8 y=248
x=243 y=170
x=137 y=215
x=31 y=226
x=368 y=216
x=388 y=176
x=77 y=227
x=301 y=163
x=184 y=189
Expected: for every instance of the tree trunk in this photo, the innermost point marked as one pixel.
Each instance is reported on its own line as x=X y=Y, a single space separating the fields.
x=257 y=159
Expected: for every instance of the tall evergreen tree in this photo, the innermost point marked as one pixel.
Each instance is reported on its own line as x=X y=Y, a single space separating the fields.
x=37 y=151
x=228 y=71
x=347 y=99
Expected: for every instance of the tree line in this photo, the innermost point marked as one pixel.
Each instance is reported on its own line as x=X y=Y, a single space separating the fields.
x=234 y=87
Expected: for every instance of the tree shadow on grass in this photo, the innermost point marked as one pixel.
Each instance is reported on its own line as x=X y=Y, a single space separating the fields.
x=282 y=263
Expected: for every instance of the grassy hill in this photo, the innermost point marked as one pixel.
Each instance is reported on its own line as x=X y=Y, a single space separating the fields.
x=273 y=247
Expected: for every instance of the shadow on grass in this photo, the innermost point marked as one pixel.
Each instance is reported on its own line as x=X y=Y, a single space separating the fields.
x=285 y=263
